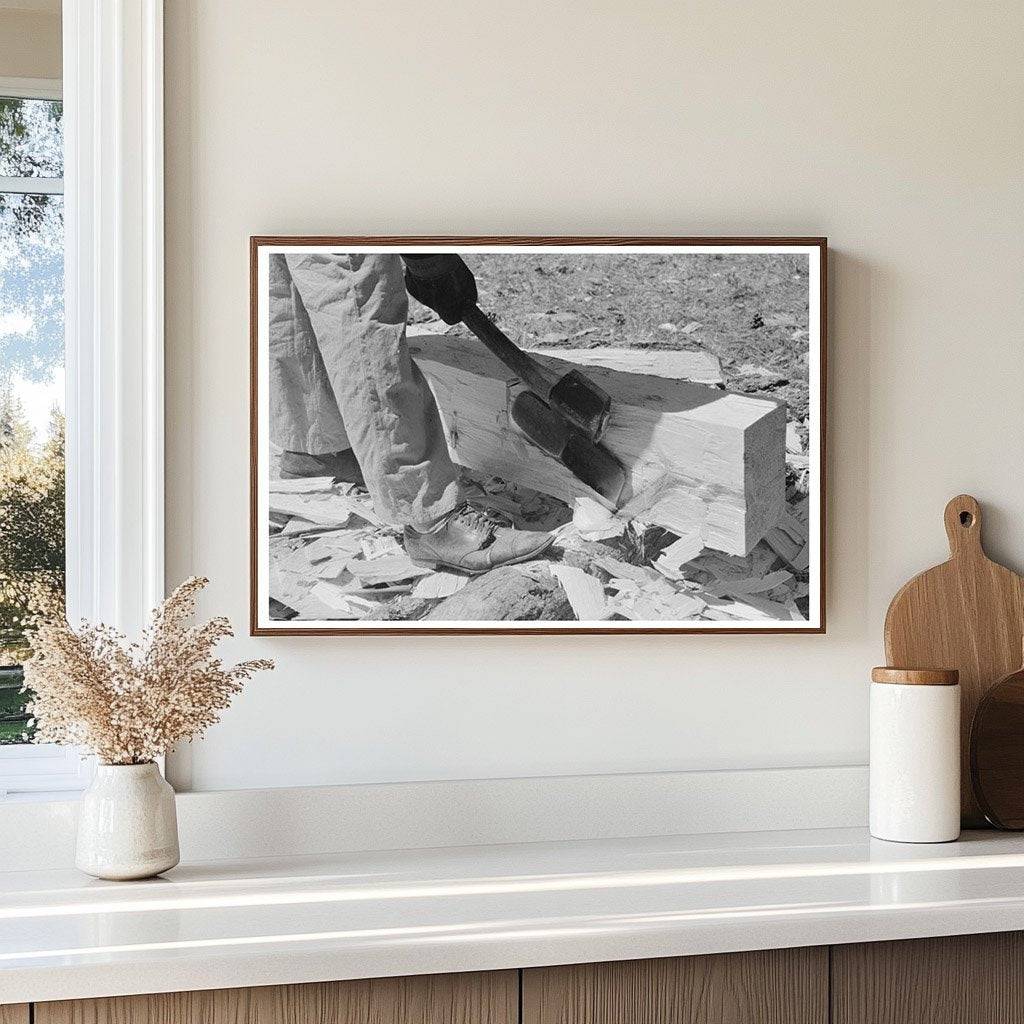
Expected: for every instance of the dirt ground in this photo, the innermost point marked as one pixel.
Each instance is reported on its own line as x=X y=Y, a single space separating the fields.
x=751 y=311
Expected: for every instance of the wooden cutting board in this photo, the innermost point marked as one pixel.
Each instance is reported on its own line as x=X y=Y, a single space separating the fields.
x=967 y=614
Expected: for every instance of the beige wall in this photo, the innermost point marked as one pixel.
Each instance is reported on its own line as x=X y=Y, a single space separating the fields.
x=895 y=129
x=30 y=43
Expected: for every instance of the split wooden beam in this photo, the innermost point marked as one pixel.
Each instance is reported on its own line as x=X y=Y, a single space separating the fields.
x=701 y=462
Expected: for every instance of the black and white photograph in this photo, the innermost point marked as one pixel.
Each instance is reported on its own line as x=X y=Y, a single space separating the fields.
x=607 y=435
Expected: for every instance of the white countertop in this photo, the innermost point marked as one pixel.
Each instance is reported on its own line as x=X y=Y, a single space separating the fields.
x=262 y=922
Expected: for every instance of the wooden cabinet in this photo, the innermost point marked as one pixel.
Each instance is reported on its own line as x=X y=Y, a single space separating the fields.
x=971 y=979
x=491 y=998
x=778 y=986
x=963 y=979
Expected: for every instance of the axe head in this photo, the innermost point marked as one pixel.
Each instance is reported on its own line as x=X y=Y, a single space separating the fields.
x=589 y=462
x=585 y=404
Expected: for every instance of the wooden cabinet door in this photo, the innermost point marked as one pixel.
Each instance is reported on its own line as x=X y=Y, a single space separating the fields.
x=778 y=986
x=14 y=1013
x=482 y=998
x=961 y=979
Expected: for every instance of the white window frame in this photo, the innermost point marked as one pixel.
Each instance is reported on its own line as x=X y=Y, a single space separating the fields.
x=114 y=325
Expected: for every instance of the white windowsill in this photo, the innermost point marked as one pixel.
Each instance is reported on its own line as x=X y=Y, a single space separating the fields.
x=42 y=771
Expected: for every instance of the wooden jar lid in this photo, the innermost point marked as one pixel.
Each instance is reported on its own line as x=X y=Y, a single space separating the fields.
x=916 y=676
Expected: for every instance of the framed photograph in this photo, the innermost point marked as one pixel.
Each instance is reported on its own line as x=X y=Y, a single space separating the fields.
x=537 y=435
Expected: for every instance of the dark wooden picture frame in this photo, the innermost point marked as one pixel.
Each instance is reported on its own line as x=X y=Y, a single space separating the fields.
x=816 y=543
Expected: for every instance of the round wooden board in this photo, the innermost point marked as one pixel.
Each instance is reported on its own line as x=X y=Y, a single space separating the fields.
x=968 y=614
x=997 y=752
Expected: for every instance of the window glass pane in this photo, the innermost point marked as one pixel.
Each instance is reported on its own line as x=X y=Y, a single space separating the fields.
x=31 y=433
x=31 y=138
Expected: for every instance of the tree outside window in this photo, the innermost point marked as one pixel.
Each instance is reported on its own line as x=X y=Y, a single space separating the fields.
x=31 y=387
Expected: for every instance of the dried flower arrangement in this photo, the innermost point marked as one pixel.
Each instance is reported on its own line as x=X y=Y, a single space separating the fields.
x=129 y=703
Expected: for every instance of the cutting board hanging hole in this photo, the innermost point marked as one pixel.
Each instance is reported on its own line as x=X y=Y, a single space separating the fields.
x=963 y=525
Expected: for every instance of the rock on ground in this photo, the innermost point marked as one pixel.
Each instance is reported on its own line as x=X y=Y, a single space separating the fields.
x=504 y=594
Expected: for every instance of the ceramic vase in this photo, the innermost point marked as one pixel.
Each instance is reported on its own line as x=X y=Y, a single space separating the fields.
x=127 y=825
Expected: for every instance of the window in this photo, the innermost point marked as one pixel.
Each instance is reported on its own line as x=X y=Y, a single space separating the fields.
x=32 y=548
x=101 y=188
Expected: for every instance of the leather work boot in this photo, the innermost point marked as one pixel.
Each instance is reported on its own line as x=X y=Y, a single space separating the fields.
x=340 y=465
x=470 y=541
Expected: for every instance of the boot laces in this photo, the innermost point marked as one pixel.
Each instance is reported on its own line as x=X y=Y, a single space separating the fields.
x=487 y=520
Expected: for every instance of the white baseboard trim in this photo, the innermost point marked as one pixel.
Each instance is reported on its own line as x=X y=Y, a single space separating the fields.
x=236 y=824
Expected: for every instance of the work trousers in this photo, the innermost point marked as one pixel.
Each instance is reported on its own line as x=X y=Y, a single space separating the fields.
x=341 y=377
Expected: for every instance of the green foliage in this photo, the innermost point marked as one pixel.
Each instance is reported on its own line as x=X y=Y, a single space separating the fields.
x=31 y=544
x=14 y=722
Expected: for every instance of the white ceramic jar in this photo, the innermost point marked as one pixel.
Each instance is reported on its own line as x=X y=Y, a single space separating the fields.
x=127 y=825
x=915 y=755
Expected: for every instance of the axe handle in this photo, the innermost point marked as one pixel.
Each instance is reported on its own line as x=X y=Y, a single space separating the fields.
x=511 y=355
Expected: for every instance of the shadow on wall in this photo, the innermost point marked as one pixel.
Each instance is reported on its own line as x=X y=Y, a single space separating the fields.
x=854 y=289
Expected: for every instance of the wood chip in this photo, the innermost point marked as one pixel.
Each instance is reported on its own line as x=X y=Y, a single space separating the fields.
x=321 y=509
x=595 y=522
x=657 y=586
x=643 y=605
x=753 y=609
x=680 y=607
x=794 y=444
x=585 y=592
x=642 y=610
x=783 y=545
x=439 y=584
x=614 y=567
x=296 y=527
x=379 y=545
x=789 y=538
x=751 y=585
x=293 y=591
x=349 y=605
x=678 y=552
x=301 y=562
x=623 y=586
x=735 y=567
x=303 y=485
x=675 y=575
x=322 y=558
x=330 y=570
x=717 y=613
x=802 y=560
x=348 y=542
x=390 y=569
x=377 y=593
x=362 y=506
